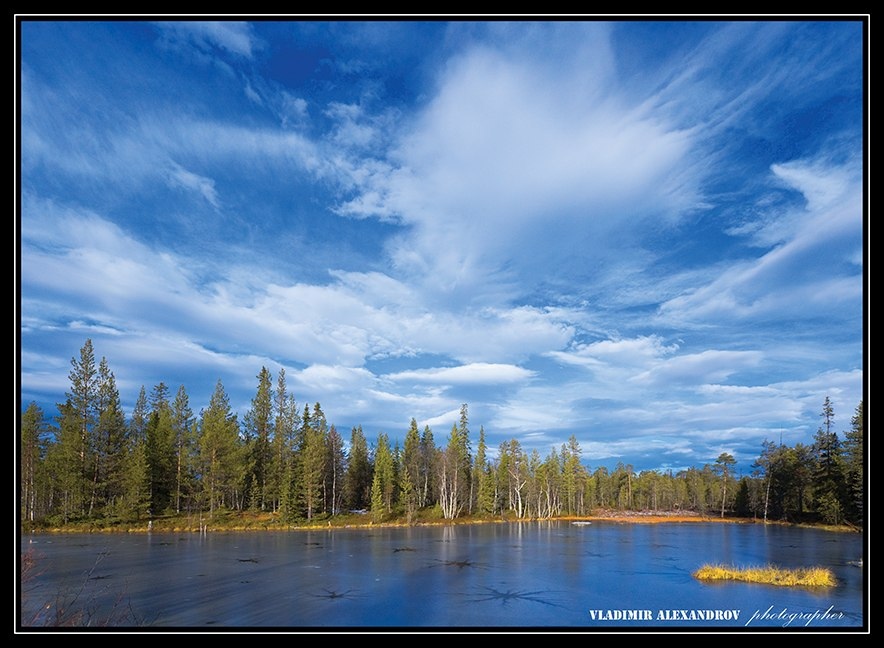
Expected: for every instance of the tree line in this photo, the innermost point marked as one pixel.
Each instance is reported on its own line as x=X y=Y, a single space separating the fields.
x=91 y=463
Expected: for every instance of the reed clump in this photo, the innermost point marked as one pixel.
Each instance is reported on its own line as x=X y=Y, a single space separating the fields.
x=769 y=575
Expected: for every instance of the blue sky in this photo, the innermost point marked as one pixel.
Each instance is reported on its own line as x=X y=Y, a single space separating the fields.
x=648 y=235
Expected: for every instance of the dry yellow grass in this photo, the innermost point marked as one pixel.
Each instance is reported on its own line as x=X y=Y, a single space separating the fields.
x=769 y=575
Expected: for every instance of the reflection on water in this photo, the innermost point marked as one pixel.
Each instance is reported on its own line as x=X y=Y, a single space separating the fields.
x=520 y=575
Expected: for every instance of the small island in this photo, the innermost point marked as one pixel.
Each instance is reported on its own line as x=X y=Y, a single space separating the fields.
x=769 y=575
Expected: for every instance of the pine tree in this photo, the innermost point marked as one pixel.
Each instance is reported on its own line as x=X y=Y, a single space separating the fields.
x=140 y=417
x=466 y=458
x=64 y=464
x=454 y=470
x=801 y=468
x=335 y=462
x=219 y=442
x=828 y=471
x=573 y=478
x=258 y=424
x=602 y=485
x=33 y=451
x=854 y=461
x=742 y=506
x=311 y=461
x=111 y=441
x=83 y=398
x=358 y=478
x=407 y=494
x=136 y=483
x=161 y=450
x=426 y=479
x=411 y=457
x=284 y=429
x=723 y=467
x=185 y=446
x=482 y=478
x=383 y=484
x=294 y=498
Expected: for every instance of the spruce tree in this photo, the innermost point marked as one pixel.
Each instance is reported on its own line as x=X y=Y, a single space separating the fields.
x=426 y=480
x=411 y=458
x=258 y=423
x=286 y=424
x=407 y=494
x=64 y=464
x=358 y=477
x=140 y=416
x=573 y=478
x=482 y=477
x=454 y=469
x=161 y=450
x=828 y=471
x=111 y=442
x=854 y=461
x=136 y=483
x=336 y=465
x=218 y=444
x=383 y=483
x=83 y=397
x=185 y=447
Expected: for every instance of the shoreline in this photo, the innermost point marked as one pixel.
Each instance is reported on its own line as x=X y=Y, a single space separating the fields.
x=266 y=523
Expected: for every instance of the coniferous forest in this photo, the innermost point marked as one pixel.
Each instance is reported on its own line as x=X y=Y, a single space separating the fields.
x=88 y=462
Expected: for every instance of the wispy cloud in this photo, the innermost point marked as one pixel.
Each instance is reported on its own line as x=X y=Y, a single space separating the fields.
x=697 y=368
x=181 y=177
x=475 y=373
x=646 y=235
x=791 y=281
x=504 y=157
x=230 y=36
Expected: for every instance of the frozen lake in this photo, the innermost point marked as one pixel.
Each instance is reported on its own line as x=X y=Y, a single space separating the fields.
x=519 y=575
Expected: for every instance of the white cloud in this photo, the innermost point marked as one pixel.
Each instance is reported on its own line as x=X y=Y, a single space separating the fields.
x=252 y=95
x=491 y=335
x=166 y=146
x=361 y=315
x=293 y=111
x=354 y=129
x=804 y=274
x=211 y=141
x=441 y=424
x=542 y=407
x=181 y=177
x=517 y=179
x=477 y=373
x=823 y=185
x=697 y=368
x=504 y=163
x=635 y=352
x=326 y=379
x=596 y=452
x=625 y=369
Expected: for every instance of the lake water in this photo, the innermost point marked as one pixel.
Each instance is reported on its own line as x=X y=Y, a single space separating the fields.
x=518 y=576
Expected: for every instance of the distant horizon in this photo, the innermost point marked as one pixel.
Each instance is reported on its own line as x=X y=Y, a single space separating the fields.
x=649 y=235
